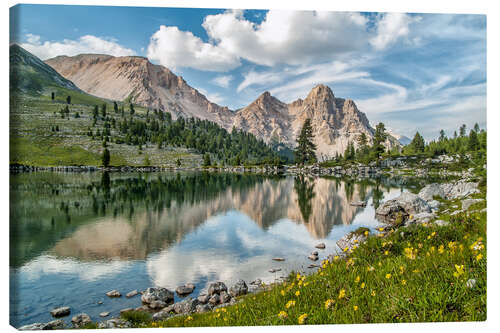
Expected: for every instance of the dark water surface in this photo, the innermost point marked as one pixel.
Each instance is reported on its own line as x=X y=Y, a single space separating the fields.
x=75 y=236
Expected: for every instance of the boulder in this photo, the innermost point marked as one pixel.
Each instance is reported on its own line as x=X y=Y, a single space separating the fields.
x=224 y=297
x=200 y=308
x=216 y=288
x=113 y=293
x=114 y=323
x=214 y=299
x=185 y=289
x=421 y=218
x=157 y=294
x=80 y=320
x=238 y=289
x=54 y=325
x=459 y=189
x=186 y=306
x=313 y=257
x=162 y=315
x=351 y=239
x=104 y=314
x=430 y=191
x=61 y=311
x=469 y=202
x=157 y=305
x=203 y=299
x=122 y=311
x=32 y=327
x=132 y=293
x=398 y=210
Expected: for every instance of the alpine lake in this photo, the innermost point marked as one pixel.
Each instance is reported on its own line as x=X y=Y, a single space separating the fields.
x=76 y=236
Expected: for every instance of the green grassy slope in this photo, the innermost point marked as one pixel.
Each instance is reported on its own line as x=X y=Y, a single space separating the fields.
x=34 y=115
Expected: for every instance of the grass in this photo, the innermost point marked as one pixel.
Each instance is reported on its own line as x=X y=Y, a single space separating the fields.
x=417 y=273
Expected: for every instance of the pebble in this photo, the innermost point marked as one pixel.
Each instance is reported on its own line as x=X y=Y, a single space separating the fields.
x=104 y=314
x=113 y=293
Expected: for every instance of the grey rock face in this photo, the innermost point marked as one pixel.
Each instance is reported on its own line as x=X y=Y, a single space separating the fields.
x=430 y=191
x=238 y=289
x=80 y=320
x=157 y=294
x=216 y=288
x=421 y=218
x=185 y=289
x=60 y=312
x=113 y=293
x=460 y=189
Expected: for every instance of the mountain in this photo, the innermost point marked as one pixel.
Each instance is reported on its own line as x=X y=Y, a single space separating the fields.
x=138 y=80
x=402 y=139
x=31 y=75
x=336 y=121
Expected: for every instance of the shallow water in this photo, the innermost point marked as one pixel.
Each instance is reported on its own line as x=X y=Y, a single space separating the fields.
x=76 y=236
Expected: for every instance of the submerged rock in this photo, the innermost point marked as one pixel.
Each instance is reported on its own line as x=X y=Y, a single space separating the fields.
x=61 y=311
x=185 y=289
x=132 y=294
x=104 y=314
x=113 y=293
x=81 y=320
x=238 y=289
x=313 y=257
x=321 y=246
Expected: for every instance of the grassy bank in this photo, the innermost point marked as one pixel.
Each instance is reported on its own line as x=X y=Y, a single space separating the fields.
x=420 y=273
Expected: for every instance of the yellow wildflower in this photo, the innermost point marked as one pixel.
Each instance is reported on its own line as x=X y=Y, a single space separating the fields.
x=441 y=249
x=366 y=233
x=403 y=282
x=479 y=256
x=370 y=269
x=189 y=318
x=433 y=249
x=297 y=293
x=282 y=315
x=336 y=258
x=386 y=252
x=401 y=269
x=342 y=293
x=362 y=285
x=302 y=318
x=282 y=292
x=329 y=303
x=388 y=276
x=357 y=279
x=346 y=249
x=410 y=253
x=460 y=270
x=373 y=293
x=380 y=229
x=355 y=308
x=289 y=304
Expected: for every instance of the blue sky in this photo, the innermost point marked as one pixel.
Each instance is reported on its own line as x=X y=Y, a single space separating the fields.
x=411 y=71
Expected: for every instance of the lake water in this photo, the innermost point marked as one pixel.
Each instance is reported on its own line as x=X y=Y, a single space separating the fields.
x=76 y=236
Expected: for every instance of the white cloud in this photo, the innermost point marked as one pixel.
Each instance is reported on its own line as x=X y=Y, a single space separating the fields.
x=174 y=48
x=85 y=44
x=259 y=78
x=222 y=81
x=214 y=98
x=390 y=28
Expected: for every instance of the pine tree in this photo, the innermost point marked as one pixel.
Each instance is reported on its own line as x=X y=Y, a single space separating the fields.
x=378 y=139
x=476 y=128
x=106 y=158
x=68 y=99
x=206 y=160
x=418 y=143
x=463 y=130
x=473 y=141
x=442 y=136
x=306 y=149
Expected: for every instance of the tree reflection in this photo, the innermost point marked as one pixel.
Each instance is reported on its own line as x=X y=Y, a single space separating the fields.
x=304 y=187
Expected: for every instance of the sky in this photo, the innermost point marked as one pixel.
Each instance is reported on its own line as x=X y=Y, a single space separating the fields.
x=412 y=71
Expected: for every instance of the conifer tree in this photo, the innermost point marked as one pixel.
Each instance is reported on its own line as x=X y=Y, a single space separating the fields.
x=418 y=143
x=305 y=153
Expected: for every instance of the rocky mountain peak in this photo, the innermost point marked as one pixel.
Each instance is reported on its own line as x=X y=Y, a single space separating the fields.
x=321 y=92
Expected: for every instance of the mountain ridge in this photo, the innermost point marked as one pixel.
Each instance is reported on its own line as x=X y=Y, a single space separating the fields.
x=336 y=121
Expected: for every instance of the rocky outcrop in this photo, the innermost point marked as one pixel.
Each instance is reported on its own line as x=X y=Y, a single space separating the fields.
x=238 y=289
x=61 y=311
x=350 y=240
x=80 y=320
x=157 y=298
x=449 y=191
x=398 y=210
